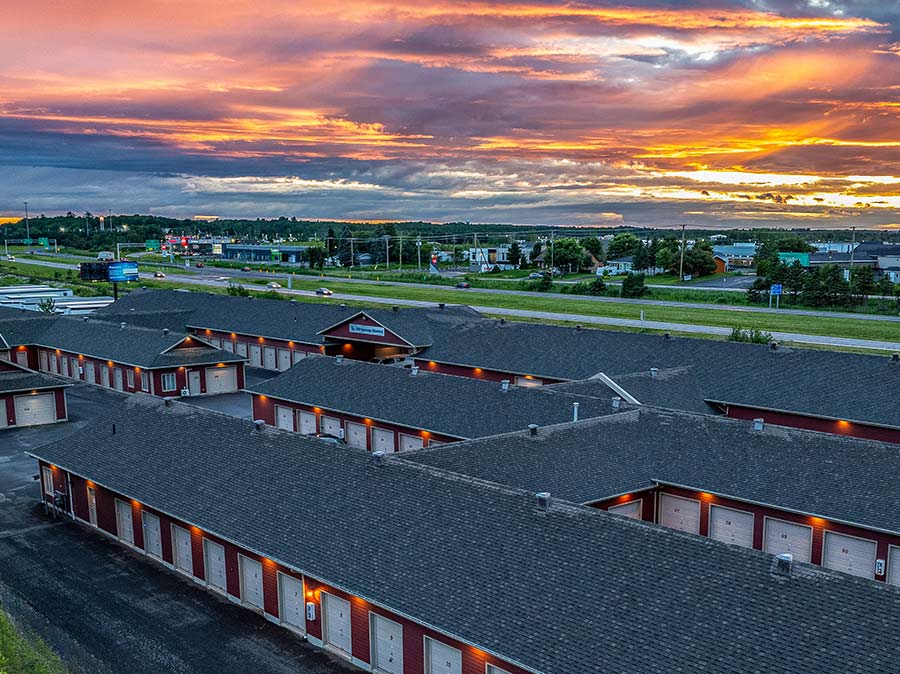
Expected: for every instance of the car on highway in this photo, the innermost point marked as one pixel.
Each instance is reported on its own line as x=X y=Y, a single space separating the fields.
x=463 y=284
x=323 y=291
x=223 y=279
x=535 y=274
x=158 y=274
x=11 y=258
x=273 y=285
x=246 y=269
x=199 y=265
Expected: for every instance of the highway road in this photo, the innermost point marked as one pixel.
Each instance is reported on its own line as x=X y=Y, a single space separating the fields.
x=212 y=278
x=236 y=275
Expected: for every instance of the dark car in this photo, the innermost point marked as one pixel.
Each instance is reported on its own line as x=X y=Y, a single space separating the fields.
x=158 y=274
x=246 y=269
x=200 y=265
x=463 y=284
x=323 y=291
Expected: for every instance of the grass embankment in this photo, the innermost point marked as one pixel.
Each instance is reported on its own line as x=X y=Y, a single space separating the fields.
x=812 y=325
x=555 y=303
x=24 y=653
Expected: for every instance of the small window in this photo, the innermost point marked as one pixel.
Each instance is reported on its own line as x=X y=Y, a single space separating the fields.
x=48 y=480
x=168 y=381
x=130 y=376
x=145 y=382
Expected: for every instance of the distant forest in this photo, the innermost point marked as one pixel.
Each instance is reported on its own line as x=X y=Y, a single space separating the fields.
x=94 y=232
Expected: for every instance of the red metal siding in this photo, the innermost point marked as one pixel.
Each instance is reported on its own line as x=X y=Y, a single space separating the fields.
x=815 y=424
x=9 y=408
x=79 y=498
x=477 y=372
x=647 y=498
x=61 y=412
x=197 y=553
x=264 y=408
x=137 y=523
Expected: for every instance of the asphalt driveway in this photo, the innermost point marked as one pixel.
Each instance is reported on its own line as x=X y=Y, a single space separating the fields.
x=108 y=610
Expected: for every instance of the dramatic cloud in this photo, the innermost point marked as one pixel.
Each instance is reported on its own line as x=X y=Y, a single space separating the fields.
x=654 y=112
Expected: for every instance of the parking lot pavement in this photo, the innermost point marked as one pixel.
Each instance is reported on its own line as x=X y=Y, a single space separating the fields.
x=107 y=610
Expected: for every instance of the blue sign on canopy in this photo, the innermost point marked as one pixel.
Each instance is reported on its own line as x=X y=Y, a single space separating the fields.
x=776 y=289
x=122 y=272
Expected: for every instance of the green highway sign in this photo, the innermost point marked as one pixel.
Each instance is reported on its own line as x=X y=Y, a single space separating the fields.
x=152 y=244
x=44 y=241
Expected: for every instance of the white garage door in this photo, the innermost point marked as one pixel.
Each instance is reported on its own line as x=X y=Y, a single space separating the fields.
x=382 y=440
x=307 y=422
x=215 y=341
x=255 y=355
x=221 y=379
x=124 y=523
x=228 y=345
x=408 y=442
x=64 y=366
x=631 y=509
x=293 y=605
x=442 y=659
x=152 y=535
x=118 y=378
x=284 y=418
x=337 y=622
x=781 y=537
x=269 y=357
x=331 y=426
x=251 y=582
x=35 y=409
x=284 y=359
x=22 y=358
x=387 y=645
x=894 y=566
x=90 y=373
x=731 y=526
x=679 y=513
x=184 y=556
x=215 y=565
x=849 y=554
x=44 y=361
x=240 y=348
x=356 y=435
x=298 y=356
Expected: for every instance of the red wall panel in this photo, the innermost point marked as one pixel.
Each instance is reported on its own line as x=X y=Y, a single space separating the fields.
x=475 y=372
x=814 y=424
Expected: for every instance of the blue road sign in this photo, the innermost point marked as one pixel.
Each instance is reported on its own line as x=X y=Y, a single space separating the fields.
x=122 y=272
x=776 y=289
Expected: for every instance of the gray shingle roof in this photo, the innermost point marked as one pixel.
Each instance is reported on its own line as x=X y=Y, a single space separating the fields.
x=275 y=319
x=570 y=591
x=456 y=406
x=836 y=385
x=835 y=477
x=14 y=378
x=130 y=345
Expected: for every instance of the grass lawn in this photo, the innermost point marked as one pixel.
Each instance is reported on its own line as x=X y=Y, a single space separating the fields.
x=812 y=325
x=22 y=653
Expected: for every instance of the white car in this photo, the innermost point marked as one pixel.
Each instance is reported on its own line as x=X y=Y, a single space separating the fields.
x=273 y=285
x=11 y=258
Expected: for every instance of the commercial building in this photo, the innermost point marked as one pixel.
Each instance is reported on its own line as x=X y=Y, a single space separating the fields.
x=29 y=398
x=122 y=357
x=408 y=568
x=826 y=500
x=392 y=409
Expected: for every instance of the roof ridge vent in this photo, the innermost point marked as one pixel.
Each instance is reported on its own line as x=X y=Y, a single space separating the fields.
x=759 y=423
x=654 y=372
x=165 y=331
x=122 y=325
x=773 y=345
x=784 y=564
x=578 y=327
x=395 y=308
x=339 y=358
x=378 y=457
x=259 y=423
x=895 y=357
x=504 y=385
x=414 y=370
x=542 y=501
x=667 y=335
x=616 y=402
x=85 y=319
x=532 y=429
x=575 y=411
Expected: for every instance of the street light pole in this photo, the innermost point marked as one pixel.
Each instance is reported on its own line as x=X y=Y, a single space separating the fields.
x=681 y=262
x=27 y=228
x=419 y=254
x=552 y=253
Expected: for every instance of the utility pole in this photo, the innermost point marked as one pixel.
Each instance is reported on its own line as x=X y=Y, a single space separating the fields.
x=109 y=219
x=387 y=253
x=419 y=253
x=400 y=259
x=27 y=228
x=852 y=255
x=681 y=262
x=87 y=225
x=476 y=252
x=552 y=250
x=352 y=260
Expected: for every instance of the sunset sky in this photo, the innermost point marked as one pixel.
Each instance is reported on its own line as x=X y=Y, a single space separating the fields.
x=759 y=112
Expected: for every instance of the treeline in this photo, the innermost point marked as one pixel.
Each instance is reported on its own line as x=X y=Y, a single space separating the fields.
x=821 y=287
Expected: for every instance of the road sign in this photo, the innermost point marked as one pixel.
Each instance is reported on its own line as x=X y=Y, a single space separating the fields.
x=44 y=241
x=122 y=272
x=776 y=289
x=152 y=244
